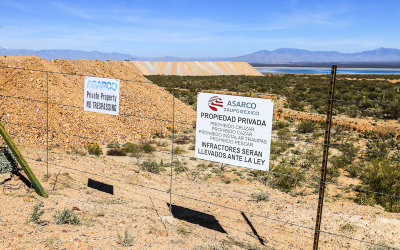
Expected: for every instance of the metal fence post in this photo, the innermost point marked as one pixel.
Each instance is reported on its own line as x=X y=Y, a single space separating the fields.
x=325 y=156
x=47 y=123
x=172 y=149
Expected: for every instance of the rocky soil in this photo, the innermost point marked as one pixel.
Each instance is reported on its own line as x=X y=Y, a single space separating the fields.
x=140 y=205
x=145 y=108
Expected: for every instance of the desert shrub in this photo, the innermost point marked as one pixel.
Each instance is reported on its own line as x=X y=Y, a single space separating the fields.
x=66 y=216
x=184 y=139
x=36 y=215
x=284 y=133
x=148 y=148
x=378 y=148
x=279 y=147
x=286 y=178
x=125 y=241
x=381 y=176
x=310 y=159
x=178 y=150
x=260 y=196
x=305 y=127
x=93 y=149
x=152 y=167
x=116 y=152
x=296 y=104
x=130 y=147
x=279 y=125
x=353 y=170
x=180 y=168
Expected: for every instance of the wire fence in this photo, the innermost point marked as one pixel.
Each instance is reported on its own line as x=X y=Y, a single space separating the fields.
x=46 y=111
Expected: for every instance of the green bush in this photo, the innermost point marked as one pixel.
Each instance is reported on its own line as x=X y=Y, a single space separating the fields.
x=279 y=147
x=130 y=147
x=66 y=216
x=184 y=139
x=306 y=127
x=36 y=215
x=116 y=152
x=284 y=133
x=381 y=176
x=260 y=196
x=286 y=178
x=279 y=125
x=125 y=241
x=152 y=167
x=178 y=150
x=353 y=171
x=93 y=149
x=148 y=148
x=180 y=168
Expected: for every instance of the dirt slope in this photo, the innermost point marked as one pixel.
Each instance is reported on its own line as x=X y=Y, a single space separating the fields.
x=144 y=106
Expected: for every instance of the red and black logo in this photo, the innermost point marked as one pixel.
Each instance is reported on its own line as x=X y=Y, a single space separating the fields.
x=215 y=102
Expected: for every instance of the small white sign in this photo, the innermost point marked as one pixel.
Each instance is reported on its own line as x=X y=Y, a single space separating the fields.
x=234 y=130
x=102 y=95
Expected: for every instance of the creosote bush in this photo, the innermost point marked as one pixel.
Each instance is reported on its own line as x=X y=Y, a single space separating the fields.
x=152 y=167
x=306 y=127
x=381 y=176
x=116 y=152
x=93 y=149
x=260 y=196
x=286 y=178
x=276 y=125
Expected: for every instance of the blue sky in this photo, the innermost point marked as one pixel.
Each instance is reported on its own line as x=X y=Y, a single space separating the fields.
x=199 y=28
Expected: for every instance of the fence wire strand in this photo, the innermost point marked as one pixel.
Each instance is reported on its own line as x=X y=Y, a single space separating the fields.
x=170 y=191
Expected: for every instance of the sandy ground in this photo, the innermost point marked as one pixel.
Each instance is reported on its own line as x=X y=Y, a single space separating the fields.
x=139 y=205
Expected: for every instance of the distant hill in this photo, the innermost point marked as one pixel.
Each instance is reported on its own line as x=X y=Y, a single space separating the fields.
x=66 y=54
x=285 y=56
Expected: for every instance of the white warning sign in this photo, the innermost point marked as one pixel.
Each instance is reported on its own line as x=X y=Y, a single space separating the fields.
x=102 y=95
x=234 y=130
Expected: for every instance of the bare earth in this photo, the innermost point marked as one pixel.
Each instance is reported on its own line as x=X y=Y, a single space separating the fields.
x=139 y=204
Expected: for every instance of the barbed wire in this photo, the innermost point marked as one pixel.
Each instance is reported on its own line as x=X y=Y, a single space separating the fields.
x=215 y=204
x=314 y=178
x=81 y=108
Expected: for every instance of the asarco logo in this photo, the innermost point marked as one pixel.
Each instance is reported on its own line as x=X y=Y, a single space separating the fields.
x=215 y=102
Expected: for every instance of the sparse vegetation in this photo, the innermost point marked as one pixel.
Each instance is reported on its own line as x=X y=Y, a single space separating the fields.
x=305 y=127
x=178 y=150
x=152 y=167
x=381 y=176
x=127 y=240
x=66 y=216
x=93 y=149
x=260 y=196
x=36 y=215
x=116 y=152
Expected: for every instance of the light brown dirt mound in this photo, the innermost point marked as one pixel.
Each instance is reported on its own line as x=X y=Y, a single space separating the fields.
x=145 y=108
x=194 y=68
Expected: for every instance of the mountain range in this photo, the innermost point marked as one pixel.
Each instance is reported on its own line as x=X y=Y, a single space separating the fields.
x=278 y=56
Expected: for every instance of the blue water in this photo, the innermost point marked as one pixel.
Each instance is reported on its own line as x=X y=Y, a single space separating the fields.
x=293 y=70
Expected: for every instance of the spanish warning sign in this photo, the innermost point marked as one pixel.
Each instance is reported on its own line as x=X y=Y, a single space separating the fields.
x=102 y=95
x=234 y=130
